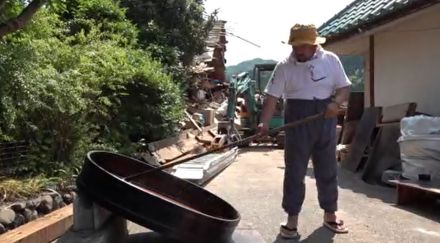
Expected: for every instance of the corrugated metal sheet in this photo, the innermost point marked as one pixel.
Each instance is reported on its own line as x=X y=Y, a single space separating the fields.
x=366 y=12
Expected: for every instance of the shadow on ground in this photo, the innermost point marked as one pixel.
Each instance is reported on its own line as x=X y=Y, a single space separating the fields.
x=429 y=210
x=351 y=181
x=321 y=235
x=152 y=237
x=388 y=194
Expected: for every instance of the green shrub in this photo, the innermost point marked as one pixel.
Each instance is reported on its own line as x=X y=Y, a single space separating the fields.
x=69 y=92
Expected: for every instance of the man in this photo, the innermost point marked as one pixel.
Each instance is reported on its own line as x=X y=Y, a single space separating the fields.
x=308 y=79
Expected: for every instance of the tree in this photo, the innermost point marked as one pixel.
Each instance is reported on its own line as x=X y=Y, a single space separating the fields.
x=14 y=23
x=75 y=79
x=173 y=31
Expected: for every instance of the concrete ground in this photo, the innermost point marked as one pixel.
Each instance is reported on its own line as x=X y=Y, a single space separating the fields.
x=253 y=184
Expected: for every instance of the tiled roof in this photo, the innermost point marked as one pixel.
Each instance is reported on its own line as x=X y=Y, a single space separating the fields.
x=362 y=15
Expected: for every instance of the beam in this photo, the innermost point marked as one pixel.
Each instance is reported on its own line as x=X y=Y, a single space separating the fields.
x=371 y=70
x=44 y=229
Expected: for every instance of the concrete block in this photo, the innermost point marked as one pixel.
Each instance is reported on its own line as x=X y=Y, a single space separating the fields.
x=94 y=224
x=100 y=216
x=113 y=231
x=87 y=215
x=209 y=115
x=83 y=214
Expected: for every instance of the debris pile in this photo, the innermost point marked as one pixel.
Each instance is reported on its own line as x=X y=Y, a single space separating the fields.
x=199 y=129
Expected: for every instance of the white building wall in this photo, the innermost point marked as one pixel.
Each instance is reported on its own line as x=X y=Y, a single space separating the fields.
x=407 y=60
x=407 y=63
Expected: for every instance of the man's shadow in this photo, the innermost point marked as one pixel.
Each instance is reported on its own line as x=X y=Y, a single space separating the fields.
x=320 y=235
x=153 y=237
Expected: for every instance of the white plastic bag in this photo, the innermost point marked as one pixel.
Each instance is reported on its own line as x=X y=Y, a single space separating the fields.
x=420 y=146
x=420 y=125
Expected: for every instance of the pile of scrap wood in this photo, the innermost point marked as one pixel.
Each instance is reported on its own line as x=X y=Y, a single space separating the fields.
x=182 y=146
x=196 y=139
x=368 y=144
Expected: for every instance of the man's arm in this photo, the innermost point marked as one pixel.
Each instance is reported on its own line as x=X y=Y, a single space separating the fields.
x=342 y=89
x=341 y=96
x=274 y=90
x=269 y=106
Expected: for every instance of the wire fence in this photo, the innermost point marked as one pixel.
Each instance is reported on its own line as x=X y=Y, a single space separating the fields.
x=12 y=155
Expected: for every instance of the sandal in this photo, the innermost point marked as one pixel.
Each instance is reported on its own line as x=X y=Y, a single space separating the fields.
x=337 y=227
x=288 y=233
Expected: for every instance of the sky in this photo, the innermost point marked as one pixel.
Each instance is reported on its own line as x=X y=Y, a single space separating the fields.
x=268 y=23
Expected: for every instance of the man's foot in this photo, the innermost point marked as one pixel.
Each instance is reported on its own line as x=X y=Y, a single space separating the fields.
x=289 y=229
x=334 y=224
x=288 y=233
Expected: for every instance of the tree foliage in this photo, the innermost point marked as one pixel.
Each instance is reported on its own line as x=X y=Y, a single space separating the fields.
x=172 y=30
x=354 y=67
x=77 y=78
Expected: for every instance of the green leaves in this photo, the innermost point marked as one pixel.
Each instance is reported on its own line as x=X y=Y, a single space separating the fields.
x=82 y=83
x=178 y=24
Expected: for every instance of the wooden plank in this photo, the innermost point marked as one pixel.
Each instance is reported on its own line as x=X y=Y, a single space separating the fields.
x=193 y=122
x=409 y=191
x=371 y=68
x=379 y=125
x=362 y=139
x=384 y=154
x=42 y=230
x=424 y=186
x=407 y=195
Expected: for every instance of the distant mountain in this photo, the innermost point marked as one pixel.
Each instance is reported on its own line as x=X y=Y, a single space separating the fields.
x=246 y=66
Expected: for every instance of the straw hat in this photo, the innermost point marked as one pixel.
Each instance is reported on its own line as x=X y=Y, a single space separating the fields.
x=305 y=34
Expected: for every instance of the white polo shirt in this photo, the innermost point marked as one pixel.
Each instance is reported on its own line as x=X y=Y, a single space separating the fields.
x=317 y=78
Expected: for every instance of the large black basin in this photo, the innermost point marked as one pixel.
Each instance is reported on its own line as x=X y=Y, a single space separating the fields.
x=158 y=200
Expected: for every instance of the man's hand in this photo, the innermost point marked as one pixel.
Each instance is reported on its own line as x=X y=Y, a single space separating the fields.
x=269 y=105
x=342 y=95
x=263 y=129
x=332 y=110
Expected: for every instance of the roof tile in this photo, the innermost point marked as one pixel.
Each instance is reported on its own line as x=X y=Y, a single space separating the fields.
x=365 y=12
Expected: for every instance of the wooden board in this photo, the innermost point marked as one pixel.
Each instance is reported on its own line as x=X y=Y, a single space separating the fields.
x=432 y=187
x=414 y=191
x=384 y=155
x=42 y=230
x=355 y=106
x=361 y=139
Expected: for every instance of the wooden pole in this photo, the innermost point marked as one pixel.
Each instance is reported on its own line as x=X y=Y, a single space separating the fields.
x=193 y=122
x=371 y=74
